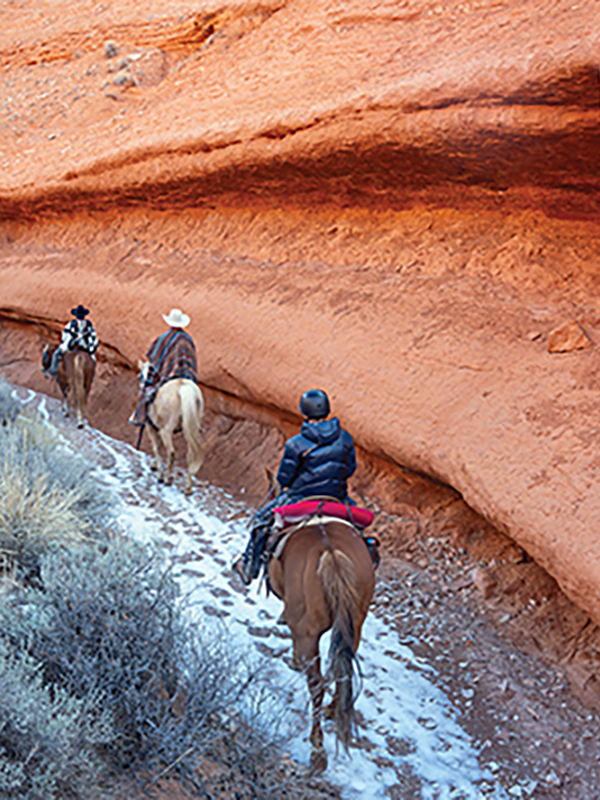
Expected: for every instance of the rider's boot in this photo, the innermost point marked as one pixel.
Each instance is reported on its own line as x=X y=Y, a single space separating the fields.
x=54 y=364
x=373 y=546
x=138 y=418
x=248 y=565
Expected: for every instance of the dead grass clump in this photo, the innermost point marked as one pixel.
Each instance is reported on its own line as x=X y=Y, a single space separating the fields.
x=46 y=496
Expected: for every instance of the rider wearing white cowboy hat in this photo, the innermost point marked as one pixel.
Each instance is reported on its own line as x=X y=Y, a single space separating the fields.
x=171 y=355
x=176 y=318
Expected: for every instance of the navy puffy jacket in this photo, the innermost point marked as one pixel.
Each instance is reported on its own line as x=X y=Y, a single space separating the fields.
x=318 y=461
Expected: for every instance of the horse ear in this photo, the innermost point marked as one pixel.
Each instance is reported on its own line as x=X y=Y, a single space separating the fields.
x=270 y=477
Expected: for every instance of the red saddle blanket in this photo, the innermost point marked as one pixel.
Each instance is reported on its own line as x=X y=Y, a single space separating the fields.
x=296 y=512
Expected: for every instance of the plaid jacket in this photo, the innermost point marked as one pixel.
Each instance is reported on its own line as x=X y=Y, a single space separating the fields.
x=79 y=333
x=172 y=355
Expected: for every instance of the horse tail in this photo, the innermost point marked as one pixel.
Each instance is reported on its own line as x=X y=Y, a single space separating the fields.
x=79 y=381
x=338 y=579
x=192 y=411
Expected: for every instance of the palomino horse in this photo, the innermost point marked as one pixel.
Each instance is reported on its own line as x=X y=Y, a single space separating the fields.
x=76 y=371
x=178 y=405
x=325 y=577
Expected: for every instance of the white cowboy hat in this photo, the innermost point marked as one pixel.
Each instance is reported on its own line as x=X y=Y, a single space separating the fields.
x=176 y=319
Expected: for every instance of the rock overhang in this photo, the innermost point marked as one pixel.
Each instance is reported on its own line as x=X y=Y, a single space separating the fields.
x=409 y=184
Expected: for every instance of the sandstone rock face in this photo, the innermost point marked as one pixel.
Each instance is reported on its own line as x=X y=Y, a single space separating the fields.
x=396 y=201
x=566 y=338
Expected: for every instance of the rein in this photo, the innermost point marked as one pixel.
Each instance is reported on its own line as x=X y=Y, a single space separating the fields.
x=139 y=441
x=270 y=495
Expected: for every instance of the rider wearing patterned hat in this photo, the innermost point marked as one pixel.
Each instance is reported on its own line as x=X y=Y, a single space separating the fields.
x=316 y=462
x=78 y=332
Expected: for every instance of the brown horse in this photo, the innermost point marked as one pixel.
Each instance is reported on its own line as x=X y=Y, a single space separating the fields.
x=325 y=577
x=76 y=371
x=178 y=405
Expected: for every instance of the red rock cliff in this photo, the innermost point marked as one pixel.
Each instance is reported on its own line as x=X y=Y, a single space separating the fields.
x=397 y=201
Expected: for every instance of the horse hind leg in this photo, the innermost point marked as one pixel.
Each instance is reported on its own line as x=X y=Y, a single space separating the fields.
x=318 y=756
x=64 y=388
x=167 y=439
x=156 y=465
x=306 y=659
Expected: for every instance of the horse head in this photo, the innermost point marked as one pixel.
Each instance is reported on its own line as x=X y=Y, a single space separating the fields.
x=47 y=359
x=143 y=367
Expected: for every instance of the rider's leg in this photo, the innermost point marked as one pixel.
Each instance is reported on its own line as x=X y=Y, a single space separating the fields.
x=54 y=364
x=251 y=559
x=248 y=564
x=372 y=543
x=145 y=397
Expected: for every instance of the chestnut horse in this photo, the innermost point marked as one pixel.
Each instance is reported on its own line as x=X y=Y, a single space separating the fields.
x=178 y=405
x=325 y=577
x=75 y=372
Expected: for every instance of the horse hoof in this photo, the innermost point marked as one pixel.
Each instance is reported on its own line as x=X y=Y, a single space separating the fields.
x=160 y=479
x=295 y=665
x=154 y=467
x=80 y=424
x=318 y=760
x=188 y=490
x=168 y=481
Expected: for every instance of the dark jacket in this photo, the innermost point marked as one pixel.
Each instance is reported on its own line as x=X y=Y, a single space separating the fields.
x=318 y=461
x=79 y=333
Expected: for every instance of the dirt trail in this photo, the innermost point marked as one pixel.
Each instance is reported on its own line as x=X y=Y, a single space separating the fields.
x=450 y=708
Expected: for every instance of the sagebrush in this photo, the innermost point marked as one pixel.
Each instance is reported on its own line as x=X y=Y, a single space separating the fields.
x=110 y=631
x=104 y=670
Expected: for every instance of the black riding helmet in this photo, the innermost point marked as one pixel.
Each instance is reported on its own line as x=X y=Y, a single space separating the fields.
x=314 y=404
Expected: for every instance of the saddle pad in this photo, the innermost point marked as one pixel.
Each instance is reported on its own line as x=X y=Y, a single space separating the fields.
x=296 y=512
x=278 y=540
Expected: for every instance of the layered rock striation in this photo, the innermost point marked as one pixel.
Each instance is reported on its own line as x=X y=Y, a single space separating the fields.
x=396 y=201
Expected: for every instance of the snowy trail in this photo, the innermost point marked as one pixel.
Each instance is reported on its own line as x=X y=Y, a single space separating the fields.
x=409 y=734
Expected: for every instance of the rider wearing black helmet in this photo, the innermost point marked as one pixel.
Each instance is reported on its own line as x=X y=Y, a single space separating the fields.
x=316 y=462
